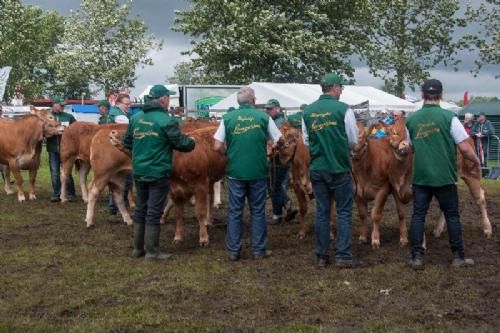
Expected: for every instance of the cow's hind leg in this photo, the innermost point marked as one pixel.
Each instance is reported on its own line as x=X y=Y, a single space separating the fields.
x=32 y=174
x=7 y=183
x=201 y=193
x=403 y=231
x=117 y=187
x=378 y=207
x=19 y=181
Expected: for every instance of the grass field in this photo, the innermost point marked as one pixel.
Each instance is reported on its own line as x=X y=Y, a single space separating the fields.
x=57 y=276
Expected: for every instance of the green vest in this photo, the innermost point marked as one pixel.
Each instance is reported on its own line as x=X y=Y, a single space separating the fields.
x=434 y=158
x=246 y=137
x=103 y=120
x=147 y=135
x=54 y=142
x=295 y=120
x=115 y=112
x=328 y=146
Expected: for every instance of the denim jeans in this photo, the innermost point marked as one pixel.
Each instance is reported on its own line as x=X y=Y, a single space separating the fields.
x=329 y=186
x=278 y=184
x=448 y=202
x=112 y=208
x=55 y=175
x=150 y=200
x=255 y=190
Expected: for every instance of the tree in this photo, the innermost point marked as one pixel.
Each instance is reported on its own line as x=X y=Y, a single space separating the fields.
x=487 y=38
x=27 y=38
x=102 y=46
x=404 y=39
x=262 y=40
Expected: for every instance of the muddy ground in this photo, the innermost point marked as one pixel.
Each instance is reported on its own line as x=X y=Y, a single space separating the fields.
x=58 y=276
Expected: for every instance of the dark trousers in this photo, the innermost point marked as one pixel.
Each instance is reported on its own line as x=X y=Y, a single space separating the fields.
x=255 y=190
x=447 y=197
x=55 y=175
x=150 y=200
x=329 y=186
x=278 y=184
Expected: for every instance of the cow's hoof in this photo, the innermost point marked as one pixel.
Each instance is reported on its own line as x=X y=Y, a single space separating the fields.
x=32 y=197
x=375 y=244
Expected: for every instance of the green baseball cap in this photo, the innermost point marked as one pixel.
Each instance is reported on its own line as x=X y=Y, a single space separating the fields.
x=272 y=103
x=332 y=79
x=58 y=100
x=159 y=90
x=104 y=102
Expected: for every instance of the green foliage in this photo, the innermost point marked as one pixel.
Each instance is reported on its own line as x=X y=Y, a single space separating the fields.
x=27 y=38
x=240 y=41
x=102 y=46
x=487 y=40
x=404 y=39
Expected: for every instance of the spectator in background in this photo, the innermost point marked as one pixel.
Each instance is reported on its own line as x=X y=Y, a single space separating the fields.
x=399 y=115
x=468 y=122
x=53 y=147
x=482 y=131
x=103 y=106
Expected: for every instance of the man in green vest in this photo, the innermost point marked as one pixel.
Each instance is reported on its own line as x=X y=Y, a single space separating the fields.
x=103 y=107
x=151 y=136
x=435 y=134
x=245 y=132
x=119 y=114
x=329 y=129
x=279 y=173
x=295 y=120
x=53 y=147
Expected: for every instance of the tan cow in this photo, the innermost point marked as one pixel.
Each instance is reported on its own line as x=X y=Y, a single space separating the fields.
x=20 y=147
x=111 y=167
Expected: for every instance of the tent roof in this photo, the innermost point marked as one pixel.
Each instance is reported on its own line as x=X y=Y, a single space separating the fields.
x=292 y=95
x=489 y=108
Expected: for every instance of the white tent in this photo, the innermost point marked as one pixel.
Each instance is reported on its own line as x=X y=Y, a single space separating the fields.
x=292 y=95
x=445 y=105
x=174 y=99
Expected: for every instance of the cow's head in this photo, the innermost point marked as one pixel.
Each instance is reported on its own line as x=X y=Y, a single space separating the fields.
x=399 y=139
x=49 y=123
x=359 y=149
x=285 y=149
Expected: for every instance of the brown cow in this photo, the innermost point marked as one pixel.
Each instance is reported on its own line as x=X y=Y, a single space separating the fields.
x=75 y=147
x=20 y=147
x=194 y=174
x=111 y=167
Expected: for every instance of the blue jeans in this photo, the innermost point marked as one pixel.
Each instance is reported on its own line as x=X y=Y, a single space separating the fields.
x=329 y=186
x=150 y=201
x=55 y=175
x=112 y=208
x=255 y=190
x=278 y=183
x=448 y=202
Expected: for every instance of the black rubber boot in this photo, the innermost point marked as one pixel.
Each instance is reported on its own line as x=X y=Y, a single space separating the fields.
x=138 y=240
x=152 y=239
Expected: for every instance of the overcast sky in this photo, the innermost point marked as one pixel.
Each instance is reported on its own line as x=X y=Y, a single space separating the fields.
x=159 y=17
